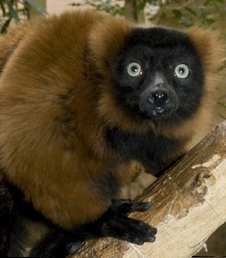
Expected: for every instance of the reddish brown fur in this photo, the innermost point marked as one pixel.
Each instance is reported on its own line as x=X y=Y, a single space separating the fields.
x=51 y=133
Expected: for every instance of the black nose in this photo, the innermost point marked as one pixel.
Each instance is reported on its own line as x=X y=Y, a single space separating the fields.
x=159 y=98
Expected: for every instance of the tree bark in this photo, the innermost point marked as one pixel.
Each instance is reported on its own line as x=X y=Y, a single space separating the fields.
x=188 y=205
x=33 y=13
x=132 y=12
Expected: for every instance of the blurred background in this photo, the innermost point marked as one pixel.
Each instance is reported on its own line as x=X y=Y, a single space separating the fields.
x=174 y=13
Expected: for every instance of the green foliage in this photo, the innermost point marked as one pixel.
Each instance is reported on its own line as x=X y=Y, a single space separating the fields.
x=108 y=6
x=188 y=12
x=10 y=11
x=185 y=12
x=224 y=106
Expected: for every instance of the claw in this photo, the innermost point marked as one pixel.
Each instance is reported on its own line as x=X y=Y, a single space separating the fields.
x=141 y=206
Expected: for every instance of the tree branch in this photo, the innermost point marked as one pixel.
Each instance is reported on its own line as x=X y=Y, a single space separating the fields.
x=188 y=205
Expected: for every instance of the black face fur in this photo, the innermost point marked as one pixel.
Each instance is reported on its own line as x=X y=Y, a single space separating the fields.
x=156 y=92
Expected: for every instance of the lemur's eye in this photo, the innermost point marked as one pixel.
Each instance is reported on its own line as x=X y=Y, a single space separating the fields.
x=134 y=69
x=182 y=71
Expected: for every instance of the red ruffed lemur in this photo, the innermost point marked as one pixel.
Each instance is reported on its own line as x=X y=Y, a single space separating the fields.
x=82 y=95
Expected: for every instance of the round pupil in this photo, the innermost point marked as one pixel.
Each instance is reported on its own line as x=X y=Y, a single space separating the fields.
x=181 y=70
x=134 y=69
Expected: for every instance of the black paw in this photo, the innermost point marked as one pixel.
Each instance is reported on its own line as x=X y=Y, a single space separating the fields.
x=6 y=205
x=72 y=247
x=115 y=223
x=55 y=245
x=125 y=207
x=6 y=199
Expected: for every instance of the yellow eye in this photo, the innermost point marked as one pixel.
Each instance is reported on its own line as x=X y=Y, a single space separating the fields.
x=134 y=69
x=182 y=71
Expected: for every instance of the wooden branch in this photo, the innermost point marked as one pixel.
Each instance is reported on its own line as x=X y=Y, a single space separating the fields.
x=188 y=205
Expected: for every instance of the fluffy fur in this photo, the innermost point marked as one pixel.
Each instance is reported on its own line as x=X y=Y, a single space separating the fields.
x=66 y=138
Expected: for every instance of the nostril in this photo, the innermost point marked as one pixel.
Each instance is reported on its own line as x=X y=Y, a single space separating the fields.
x=159 y=95
x=151 y=99
x=158 y=98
